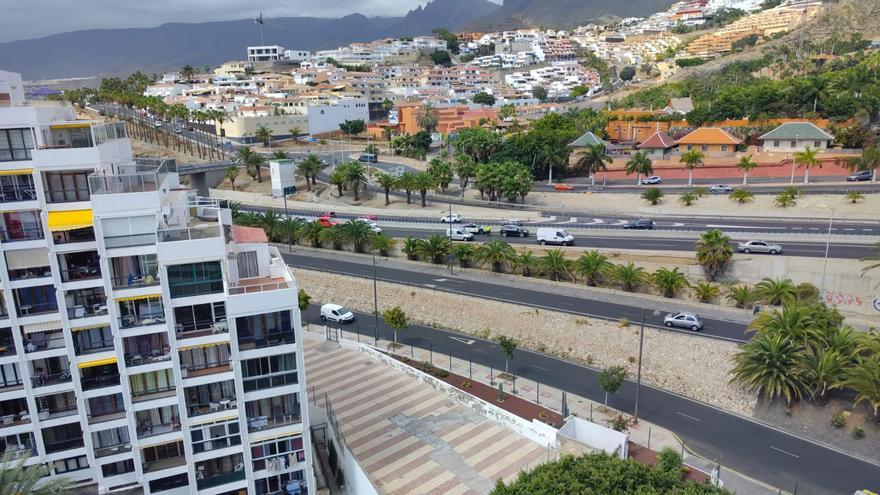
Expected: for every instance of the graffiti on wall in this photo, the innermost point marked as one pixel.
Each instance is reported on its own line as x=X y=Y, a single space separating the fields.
x=843 y=299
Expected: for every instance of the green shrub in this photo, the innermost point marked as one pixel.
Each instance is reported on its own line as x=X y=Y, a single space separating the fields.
x=838 y=420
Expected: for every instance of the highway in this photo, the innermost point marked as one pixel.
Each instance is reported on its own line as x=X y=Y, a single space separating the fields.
x=758 y=185
x=751 y=448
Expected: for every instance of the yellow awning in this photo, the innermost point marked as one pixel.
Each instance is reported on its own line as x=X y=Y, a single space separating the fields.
x=42 y=327
x=136 y=298
x=89 y=327
x=100 y=362
x=77 y=125
x=18 y=171
x=69 y=220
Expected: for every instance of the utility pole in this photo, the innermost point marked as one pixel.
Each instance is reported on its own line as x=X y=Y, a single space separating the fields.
x=375 y=302
x=639 y=374
x=827 y=248
x=449 y=235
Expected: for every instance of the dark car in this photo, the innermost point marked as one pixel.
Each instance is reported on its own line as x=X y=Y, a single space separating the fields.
x=511 y=230
x=640 y=224
x=859 y=176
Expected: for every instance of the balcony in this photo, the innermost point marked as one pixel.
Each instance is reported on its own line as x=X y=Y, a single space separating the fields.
x=34 y=309
x=74 y=236
x=56 y=406
x=22 y=234
x=14 y=412
x=92 y=340
x=88 y=309
x=30 y=273
x=75 y=267
x=129 y=272
x=141 y=311
x=256 y=285
x=218 y=479
x=7 y=344
x=152 y=385
x=146 y=349
x=157 y=421
x=144 y=176
x=15 y=194
x=17 y=446
x=142 y=319
x=202 y=361
x=46 y=379
x=118 y=448
x=219 y=471
x=248 y=342
x=195 y=279
x=258 y=423
x=44 y=341
x=154 y=393
x=270 y=381
x=62 y=445
x=99 y=375
x=165 y=456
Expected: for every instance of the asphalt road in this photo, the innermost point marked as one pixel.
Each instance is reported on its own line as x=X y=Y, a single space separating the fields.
x=759 y=451
x=758 y=185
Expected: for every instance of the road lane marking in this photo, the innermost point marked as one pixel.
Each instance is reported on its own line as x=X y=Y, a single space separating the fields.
x=441 y=279
x=463 y=341
x=430 y=286
x=711 y=226
x=785 y=452
x=480 y=351
x=540 y=367
x=688 y=417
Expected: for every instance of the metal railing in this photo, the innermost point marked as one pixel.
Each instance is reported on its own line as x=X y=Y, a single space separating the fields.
x=14 y=194
x=148 y=357
x=190 y=233
x=46 y=379
x=200 y=408
x=90 y=347
x=73 y=443
x=263 y=422
x=29 y=273
x=80 y=273
x=195 y=288
x=87 y=310
x=253 y=289
x=131 y=282
x=142 y=394
x=37 y=309
x=40 y=342
x=58 y=412
x=267 y=340
x=123 y=241
x=112 y=449
x=93 y=382
x=151 y=430
x=24 y=234
x=220 y=363
x=143 y=177
x=216 y=443
x=142 y=320
x=219 y=479
x=263 y=382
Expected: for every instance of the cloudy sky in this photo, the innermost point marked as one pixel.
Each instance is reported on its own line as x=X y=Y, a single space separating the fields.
x=23 y=19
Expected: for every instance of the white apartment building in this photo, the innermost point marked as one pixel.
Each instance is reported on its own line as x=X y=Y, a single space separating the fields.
x=146 y=344
x=267 y=53
x=297 y=55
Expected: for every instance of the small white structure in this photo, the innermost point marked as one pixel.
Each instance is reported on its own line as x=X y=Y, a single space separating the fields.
x=326 y=118
x=595 y=437
x=297 y=55
x=268 y=53
x=283 y=176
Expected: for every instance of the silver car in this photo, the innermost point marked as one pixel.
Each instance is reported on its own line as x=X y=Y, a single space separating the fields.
x=758 y=247
x=654 y=179
x=690 y=321
x=720 y=188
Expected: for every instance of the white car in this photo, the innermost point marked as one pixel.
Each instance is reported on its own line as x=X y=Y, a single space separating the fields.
x=373 y=225
x=690 y=321
x=720 y=188
x=654 y=179
x=336 y=313
x=451 y=218
x=758 y=247
x=457 y=234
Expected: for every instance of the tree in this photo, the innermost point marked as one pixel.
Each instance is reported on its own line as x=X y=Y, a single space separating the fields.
x=639 y=164
x=539 y=92
x=435 y=248
x=594 y=159
x=311 y=232
x=252 y=161
x=627 y=73
x=483 y=98
x=741 y=295
x=353 y=127
x=554 y=264
x=424 y=182
x=593 y=266
x=465 y=253
x=441 y=171
x=525 y=263
x=309 y=168
x=688 y=198
x=356 y=234
x=776 y=292
x=231 y=172
x=187 y=72
x=452 y=43
x=611 y=379
x=629 y=276
x=280 y=155
x=652 y=195
x=338 y=178
x=382 y=244
x=407 y=183
x=371 y=149
x=355 y=178
x=807 y=159
x=497 y=253
x=428 y=117
x=396 y=320
x=746 y=164
x=441 y=57
x=714 y=251
x=387 y=182
x=507 y=345
x=465 y=169
x=18 y=479
x=864 y=378
x=741 y=196
x=295 y=132
x=784 y=200
x=507 y=111
x=411 y=248
x=477 y=143
x=304 y=300
x=706 y=291
x=264 y=134
x=854 y=197
x=768 y=364
x=669 y=282
x=691 y=159
x=821 y=371
x=874 y=259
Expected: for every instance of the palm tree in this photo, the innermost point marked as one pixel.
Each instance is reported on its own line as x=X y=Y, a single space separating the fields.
x=428 y=117
x=424 y=181
x=382 y=244
x=864 y=378
x=269 y=221
x=652 y=195
x=295 y=132
x=291 y=228
x=554 y=264
x=669 y=282
x=820 y=372
x=629 y=276
x=768 y=364
x=691 y=159
x=407 y=182
x=639 y=164
x=741 y=295
x=714 y=252
x=854 y=197
x=248 y=219
x=338 y=178
x=741 y=196
x=18 y=479
x=746 y=164
x=593 y=266
x=464 y=253
x=807 y=159
x=435 y=248
x=874 y=258
x=784 y=200
x=231 y=172
x=334 y=235
x=355 y=178
x=387 y=182
x=776 y=292
x=870 y=160
x=371 y=149
x=792 y=322
x=356 y=234
x=280 y=155
x=264 y=134
x=309 y=168
x=706 y=291
x=525 y=263
x=688 y=198
x=410 y=248
x=594 y=159
x=497 y=253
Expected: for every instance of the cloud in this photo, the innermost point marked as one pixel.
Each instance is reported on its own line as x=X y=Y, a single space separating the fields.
x=36 y=18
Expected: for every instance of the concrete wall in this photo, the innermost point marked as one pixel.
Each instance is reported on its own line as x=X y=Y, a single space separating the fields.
x=326 y=118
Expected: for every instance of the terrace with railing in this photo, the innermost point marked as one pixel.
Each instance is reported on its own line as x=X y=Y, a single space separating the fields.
x=145 y=175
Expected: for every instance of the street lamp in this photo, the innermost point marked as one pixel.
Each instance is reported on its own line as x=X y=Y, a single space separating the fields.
x=639 y=375
x=827 y=248
x=375 y=303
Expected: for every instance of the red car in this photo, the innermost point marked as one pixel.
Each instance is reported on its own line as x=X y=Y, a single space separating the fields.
x=371 y=217
x=326 y=221
x=328 y=213
x=563 y=187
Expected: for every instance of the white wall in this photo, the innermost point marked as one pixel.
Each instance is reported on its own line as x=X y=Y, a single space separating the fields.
x=595 y=436
x=326 y=118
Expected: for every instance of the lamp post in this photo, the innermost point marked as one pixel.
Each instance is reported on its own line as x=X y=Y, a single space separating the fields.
x=827 y=248
x=375 y=303
x=639 y=374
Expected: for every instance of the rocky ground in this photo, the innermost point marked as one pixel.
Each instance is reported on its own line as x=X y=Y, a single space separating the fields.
x=691 y=366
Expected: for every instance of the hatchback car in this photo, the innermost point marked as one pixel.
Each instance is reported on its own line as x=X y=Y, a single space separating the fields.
x=758 y=247
x=476 y=229
x=373 y=225
x=691 y=321
x=336 y=313
x=511 y=230
x=859 y=176
x=720 y=188
x=451 y=218
x=654 y=179
x=640 y=224
x=563 y=187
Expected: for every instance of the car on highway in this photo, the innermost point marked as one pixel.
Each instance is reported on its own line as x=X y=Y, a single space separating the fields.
x=451 y=218
x=563 y=187
x=654 y=179
x=511 y=230
x=555 y=236
x=720 y=188
x=328 y=213
x=326 y=221
x=691 y=321
x=476 y=229
x=457 y=234
x=860 y=176
x=336 y=313
x=373 y=225
x=758 y=247
x=640 y=224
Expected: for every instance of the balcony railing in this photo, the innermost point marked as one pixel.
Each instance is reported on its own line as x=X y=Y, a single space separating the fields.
x=37 y=309
x=199 y=409
x=14 y=194
x=30 y=273
x=73 y=236
x=46 y=379
x=190 y=234
x=142 y=320
x=18 y=450
x=106 y=416
x=262 y=422
x=148 y=357
x=263 y=382
x=112 y=449
x=57 y=412
x=11 y=383
x=43 y=343
x=81 y=273
x=166 y=463
x=90 y=347
x=267 y=340
x=201 y=328
x=87 y=310
x=153 y=393
x=73 y=443
x=101 y=381
x=251 y=289
x=145 y=430
x=24 y=234
x=142 y=178
x=131 y=282
x=218 y=479
x=216 y=443
x=195 y=288
x=124 y=241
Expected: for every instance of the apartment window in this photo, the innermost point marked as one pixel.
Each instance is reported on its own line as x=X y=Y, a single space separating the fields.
x=195 y=279
x=817 y=144
x=134 y=271
x=64 y=437
x=268 y=372
x=117 y=468
x=704 y=147
x=723 y=147
x=157 y=421
x=776 y=144
x=129 y=231
x=793 y=144
x=278 y=454
x=9 y=375
x=65 y=187
x=264 y=329
x=72 y=464
x=21 y=226
x=273 y=411
x=162 y=452
x=282 y=483
x=203 y=358
x=86 y=302
x=84 y=265
x=210 y=397
x=152 y=382
x=92 y=339
x=35 y=300
x=212 y=436
x=105 y=405
x=145 y=349
x=247 y=265
x=198 y=317
x=112 y=441
x=19 y=187
x=169 y=483
x=690 y=147
x=16 y=144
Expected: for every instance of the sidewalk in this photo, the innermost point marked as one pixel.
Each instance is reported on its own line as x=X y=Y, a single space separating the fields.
x=644 y=434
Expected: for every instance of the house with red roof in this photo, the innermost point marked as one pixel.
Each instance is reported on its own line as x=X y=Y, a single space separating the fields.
x=657 y=146
x=709 y=140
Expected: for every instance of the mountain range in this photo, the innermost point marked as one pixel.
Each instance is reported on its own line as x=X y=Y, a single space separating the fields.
x=116 y=52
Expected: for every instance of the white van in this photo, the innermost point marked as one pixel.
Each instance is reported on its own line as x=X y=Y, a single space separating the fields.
x=336 y=313
x=459 y=234
x=555 y=236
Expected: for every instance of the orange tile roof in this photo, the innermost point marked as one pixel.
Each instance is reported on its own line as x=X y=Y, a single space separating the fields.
x=708 y=135
x=248 y=235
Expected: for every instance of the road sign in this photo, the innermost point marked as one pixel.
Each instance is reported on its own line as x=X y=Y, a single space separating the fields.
x=289 y=190
x=877 y=304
